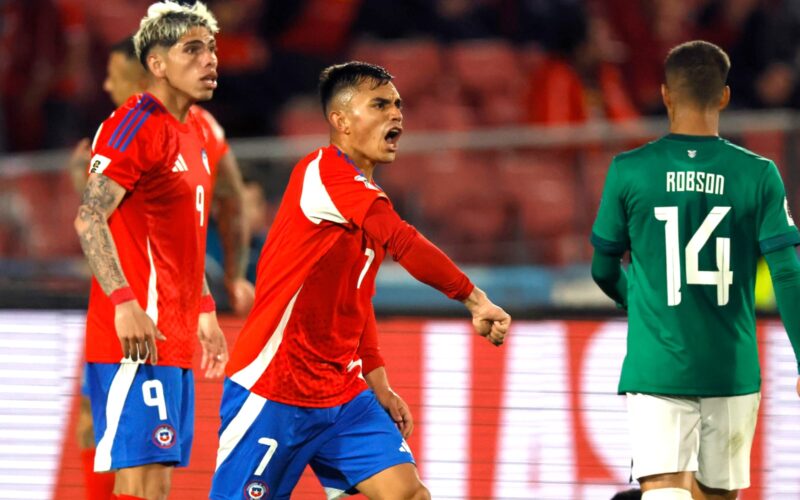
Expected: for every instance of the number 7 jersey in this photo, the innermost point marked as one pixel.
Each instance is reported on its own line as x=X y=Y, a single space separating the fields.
x=696 y=212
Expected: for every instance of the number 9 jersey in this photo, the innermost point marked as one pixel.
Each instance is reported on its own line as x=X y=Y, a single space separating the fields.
x=696 y=213
x=159 y=228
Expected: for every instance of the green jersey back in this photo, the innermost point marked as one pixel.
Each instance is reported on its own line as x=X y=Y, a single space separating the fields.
x=695 y=212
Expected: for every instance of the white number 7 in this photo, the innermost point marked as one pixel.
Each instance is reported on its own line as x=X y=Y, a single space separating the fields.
x=272 y=445
x=370 y=253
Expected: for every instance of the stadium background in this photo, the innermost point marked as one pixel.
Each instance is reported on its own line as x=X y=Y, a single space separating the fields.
x=513 y=111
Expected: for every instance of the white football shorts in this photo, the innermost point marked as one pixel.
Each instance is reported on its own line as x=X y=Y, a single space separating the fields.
x=709 y=436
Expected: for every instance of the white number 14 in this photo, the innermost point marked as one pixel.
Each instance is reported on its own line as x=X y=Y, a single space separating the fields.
x=721 y=278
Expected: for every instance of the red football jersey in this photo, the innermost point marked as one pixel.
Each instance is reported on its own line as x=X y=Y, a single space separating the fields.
x=314 y=288
x=159 y=228
x=214 y=135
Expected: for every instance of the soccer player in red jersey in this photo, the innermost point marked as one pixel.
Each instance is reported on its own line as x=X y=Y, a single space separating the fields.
x=125 y=76
x=295 y=393
x=142 y=226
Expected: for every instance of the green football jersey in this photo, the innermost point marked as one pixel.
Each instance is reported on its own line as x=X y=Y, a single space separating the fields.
x=696 y=212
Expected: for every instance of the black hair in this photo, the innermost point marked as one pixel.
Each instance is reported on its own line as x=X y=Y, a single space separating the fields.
x=700 y=68
x=338 y=77
x=125 y=47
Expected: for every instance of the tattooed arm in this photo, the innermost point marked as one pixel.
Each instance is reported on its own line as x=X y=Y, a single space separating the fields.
x=234 y=233
x=136 y=331
x=212 y=340
x=101 y=196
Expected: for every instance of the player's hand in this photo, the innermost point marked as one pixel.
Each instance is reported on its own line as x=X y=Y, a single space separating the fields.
x=241 y=295
x=398 y=410
x=215 y=347
x=136 y=331
x=489 y=320
x=797 y=387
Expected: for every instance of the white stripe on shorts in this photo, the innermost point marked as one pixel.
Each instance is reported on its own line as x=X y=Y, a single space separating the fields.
x=117 y=394
x=236 y=430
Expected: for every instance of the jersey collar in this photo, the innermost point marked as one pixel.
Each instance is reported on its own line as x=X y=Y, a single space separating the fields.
x=692 y=138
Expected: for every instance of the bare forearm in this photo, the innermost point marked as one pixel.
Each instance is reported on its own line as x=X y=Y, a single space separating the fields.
x=377 y=380
x=100 y=198
x=233 y=231
x=234 y=238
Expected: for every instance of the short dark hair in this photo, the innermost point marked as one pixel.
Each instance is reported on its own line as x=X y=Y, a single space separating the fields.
x=338 y=77
x=125 y=47
x=700 y=68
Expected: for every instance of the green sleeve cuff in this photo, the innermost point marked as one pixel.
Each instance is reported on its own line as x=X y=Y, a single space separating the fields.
x=778 y=242
x=608 y=247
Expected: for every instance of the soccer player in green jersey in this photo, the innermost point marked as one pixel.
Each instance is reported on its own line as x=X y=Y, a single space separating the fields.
x=695 y=212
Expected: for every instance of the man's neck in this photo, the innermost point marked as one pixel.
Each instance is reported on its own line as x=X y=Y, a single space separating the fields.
x=366 y=166
x=176 y=103
x=691 y=121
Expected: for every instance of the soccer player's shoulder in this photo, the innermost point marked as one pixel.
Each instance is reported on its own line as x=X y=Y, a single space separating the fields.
x=327 y=159
x=636 y=156
x=207 y=123
x=140 y=118
x=743 y=155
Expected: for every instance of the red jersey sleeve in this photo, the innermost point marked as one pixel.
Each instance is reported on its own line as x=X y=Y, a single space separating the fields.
x=368 y=349
x=127 y=144
x=350 y=193
x=421 y=258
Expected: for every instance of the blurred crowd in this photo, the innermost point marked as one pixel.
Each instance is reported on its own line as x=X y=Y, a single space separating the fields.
x=459 y=64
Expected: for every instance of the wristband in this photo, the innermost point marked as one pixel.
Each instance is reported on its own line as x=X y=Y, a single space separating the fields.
x=207 y=304
x=120 y=295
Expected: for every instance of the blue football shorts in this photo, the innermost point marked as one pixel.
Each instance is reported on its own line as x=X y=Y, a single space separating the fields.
x=265 y=445
x=143 y=414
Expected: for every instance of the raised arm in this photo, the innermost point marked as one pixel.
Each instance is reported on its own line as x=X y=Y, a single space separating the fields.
x=234 y=233
x=136 y=331
x=425 y=262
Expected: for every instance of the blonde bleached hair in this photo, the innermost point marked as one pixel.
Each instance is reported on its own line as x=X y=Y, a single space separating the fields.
x=166 y=22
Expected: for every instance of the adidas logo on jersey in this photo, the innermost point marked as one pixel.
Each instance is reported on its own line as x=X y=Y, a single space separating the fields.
x=180 y=165
x=404 y=447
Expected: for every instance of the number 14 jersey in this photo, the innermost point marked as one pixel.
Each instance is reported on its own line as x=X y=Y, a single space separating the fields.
x=696 y=212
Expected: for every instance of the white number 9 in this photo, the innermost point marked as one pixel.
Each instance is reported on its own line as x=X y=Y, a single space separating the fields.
x=153 y=394
x=200 y=200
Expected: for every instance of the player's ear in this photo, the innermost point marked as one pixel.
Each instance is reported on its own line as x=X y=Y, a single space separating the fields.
x=156 y=64
x=726 y=98
x=666 y=97
x=338 y=120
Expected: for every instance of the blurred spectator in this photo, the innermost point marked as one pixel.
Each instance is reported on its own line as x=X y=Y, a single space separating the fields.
x=31 y=42
x=741 y=27
x=390 y=19
x=649 y=28
x=240 y=101
x=304 y=36
x=465 y=19
x=579 y=80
